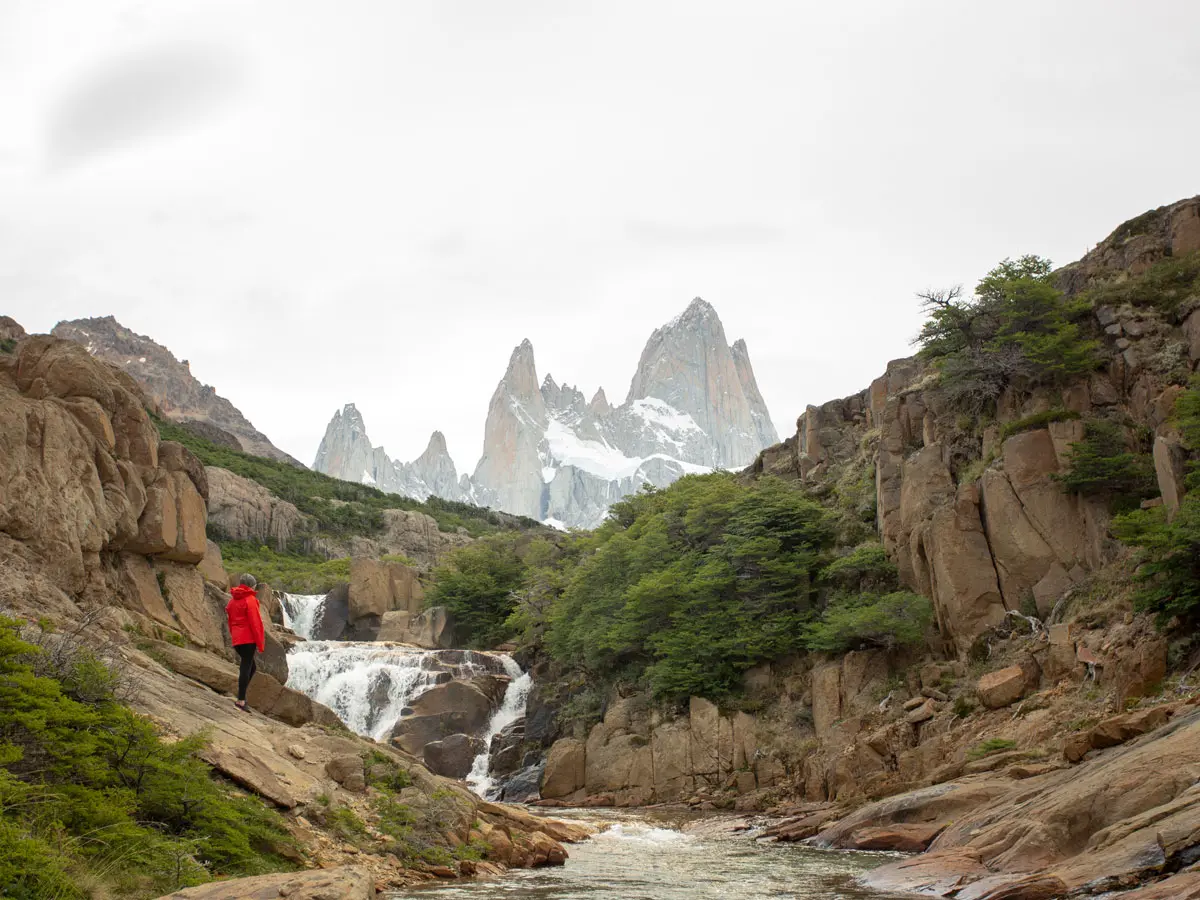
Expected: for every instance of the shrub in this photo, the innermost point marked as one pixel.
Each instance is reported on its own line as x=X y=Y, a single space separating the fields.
x=297 y=573
x=1016 y=329
x=1037 y=420
x=1164 y=285
x=1170 y=550
x=991 y=746
x=90 y=785
x=864 y=568
x=1102 y=465
x=891 y=620
x=963 y=706
x=7 y=345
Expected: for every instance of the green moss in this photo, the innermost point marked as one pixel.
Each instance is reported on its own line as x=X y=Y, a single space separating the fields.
x=1035 y=421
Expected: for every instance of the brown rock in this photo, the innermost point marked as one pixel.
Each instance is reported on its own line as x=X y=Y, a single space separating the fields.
x=565 y=768
x=826 y=696
x=139 y=589
x=246 y=511
x=201 y=613
x=1001 y=688
x=1170 y=467
x=1029 y=887
x=249 y=771
x=338 y=883
x=453 y=755
x=922 y=713
x=347 y=770
x=903 y=838
x=212 y=567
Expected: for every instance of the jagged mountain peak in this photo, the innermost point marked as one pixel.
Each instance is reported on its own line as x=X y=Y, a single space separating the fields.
x=437 y=444
x=599 y=405
x=521 y=376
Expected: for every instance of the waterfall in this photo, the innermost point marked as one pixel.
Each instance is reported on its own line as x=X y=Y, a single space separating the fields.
x=369 y=684
x=511 y=709
x=301 y=612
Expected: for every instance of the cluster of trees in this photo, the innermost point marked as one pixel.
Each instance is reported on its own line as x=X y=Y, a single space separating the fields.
x=1017 y=329
x=683 y=589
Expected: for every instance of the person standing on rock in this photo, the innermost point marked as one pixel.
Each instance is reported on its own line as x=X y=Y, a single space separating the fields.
x=246 y=630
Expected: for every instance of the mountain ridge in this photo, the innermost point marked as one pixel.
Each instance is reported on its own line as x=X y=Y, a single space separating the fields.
x=693 y=405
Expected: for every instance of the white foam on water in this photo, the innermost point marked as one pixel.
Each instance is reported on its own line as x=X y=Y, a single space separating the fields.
x=300 y=612
x=366 y=684
x=511 y=709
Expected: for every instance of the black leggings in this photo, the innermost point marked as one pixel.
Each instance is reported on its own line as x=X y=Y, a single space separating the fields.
x=247 y=668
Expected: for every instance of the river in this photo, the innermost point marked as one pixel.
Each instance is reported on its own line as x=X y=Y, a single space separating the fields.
x=649 y=856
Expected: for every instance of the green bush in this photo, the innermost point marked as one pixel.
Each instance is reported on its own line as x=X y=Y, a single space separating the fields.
x=479 y=584
x=88 y=788
x=7 y=345
x=296 y=573
x=864 y=568
x=1164 y=285
x=853 y=621
x=1103 y=465
x=1017 y=329
x=1037 y=420
x=989 y=747
x=1170 y=550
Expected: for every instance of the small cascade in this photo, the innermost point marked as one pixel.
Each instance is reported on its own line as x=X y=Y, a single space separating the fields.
x=368 y=685
x=511 y=708
x=302 y=612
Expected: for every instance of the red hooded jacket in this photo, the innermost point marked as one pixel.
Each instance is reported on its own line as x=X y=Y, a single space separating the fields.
x=245 y=622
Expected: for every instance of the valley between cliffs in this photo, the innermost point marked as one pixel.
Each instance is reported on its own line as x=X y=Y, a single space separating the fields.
x=921 y=625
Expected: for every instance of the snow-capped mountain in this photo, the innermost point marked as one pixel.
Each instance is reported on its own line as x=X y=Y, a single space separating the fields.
x=550 y=454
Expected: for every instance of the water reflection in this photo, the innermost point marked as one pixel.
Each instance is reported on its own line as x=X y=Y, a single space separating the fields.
x=648 y=857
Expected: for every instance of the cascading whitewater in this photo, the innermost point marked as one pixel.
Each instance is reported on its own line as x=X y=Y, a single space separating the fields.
x=368 y=684
x=302 y=612
x=512 y=708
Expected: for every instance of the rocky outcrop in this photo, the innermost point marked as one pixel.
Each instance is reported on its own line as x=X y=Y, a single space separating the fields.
x=551 y=455
x=343 y=882
x=168 y=382
x=243 y=510
x=1128 y=813
x=635 y=757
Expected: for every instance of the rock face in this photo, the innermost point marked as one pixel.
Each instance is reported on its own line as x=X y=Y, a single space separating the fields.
x=167 y=381
x=636 y=757
x=243 y=510
x=549 y=454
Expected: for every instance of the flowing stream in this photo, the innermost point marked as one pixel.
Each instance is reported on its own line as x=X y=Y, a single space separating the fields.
x=646 y=856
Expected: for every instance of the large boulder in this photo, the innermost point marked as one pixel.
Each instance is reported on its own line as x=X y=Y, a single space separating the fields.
x=212 y=566
x=244 y=510
x=565 y=769
x=378 y=587
x=1002 y=687
x=454 y=755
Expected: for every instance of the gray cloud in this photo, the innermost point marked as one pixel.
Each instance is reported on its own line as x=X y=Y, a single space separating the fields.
x=663 y=234
x=139 y=97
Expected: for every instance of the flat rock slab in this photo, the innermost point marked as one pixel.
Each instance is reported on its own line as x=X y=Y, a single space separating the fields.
x=1184 y=886
x=343 y=883
x=904 y=838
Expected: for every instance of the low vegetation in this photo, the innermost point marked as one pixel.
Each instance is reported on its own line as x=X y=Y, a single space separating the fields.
x=1037 y=420
x=1163 y=286
x=1169 y=547
x=94 y=803
x=291 y=571
x=991 y=746
x=339 y=508
x=1016 y=330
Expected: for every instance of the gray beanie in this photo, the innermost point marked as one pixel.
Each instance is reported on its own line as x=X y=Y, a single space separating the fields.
x=248 y=580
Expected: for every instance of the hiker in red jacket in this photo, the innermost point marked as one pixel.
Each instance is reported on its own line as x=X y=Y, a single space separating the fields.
x=246 y=630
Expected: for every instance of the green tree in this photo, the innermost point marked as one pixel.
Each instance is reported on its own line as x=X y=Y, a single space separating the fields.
x=1103 y=465
x=1016 y=329
x=479 y=584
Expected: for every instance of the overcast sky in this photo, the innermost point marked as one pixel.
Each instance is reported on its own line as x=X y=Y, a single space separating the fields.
x=323 y=202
